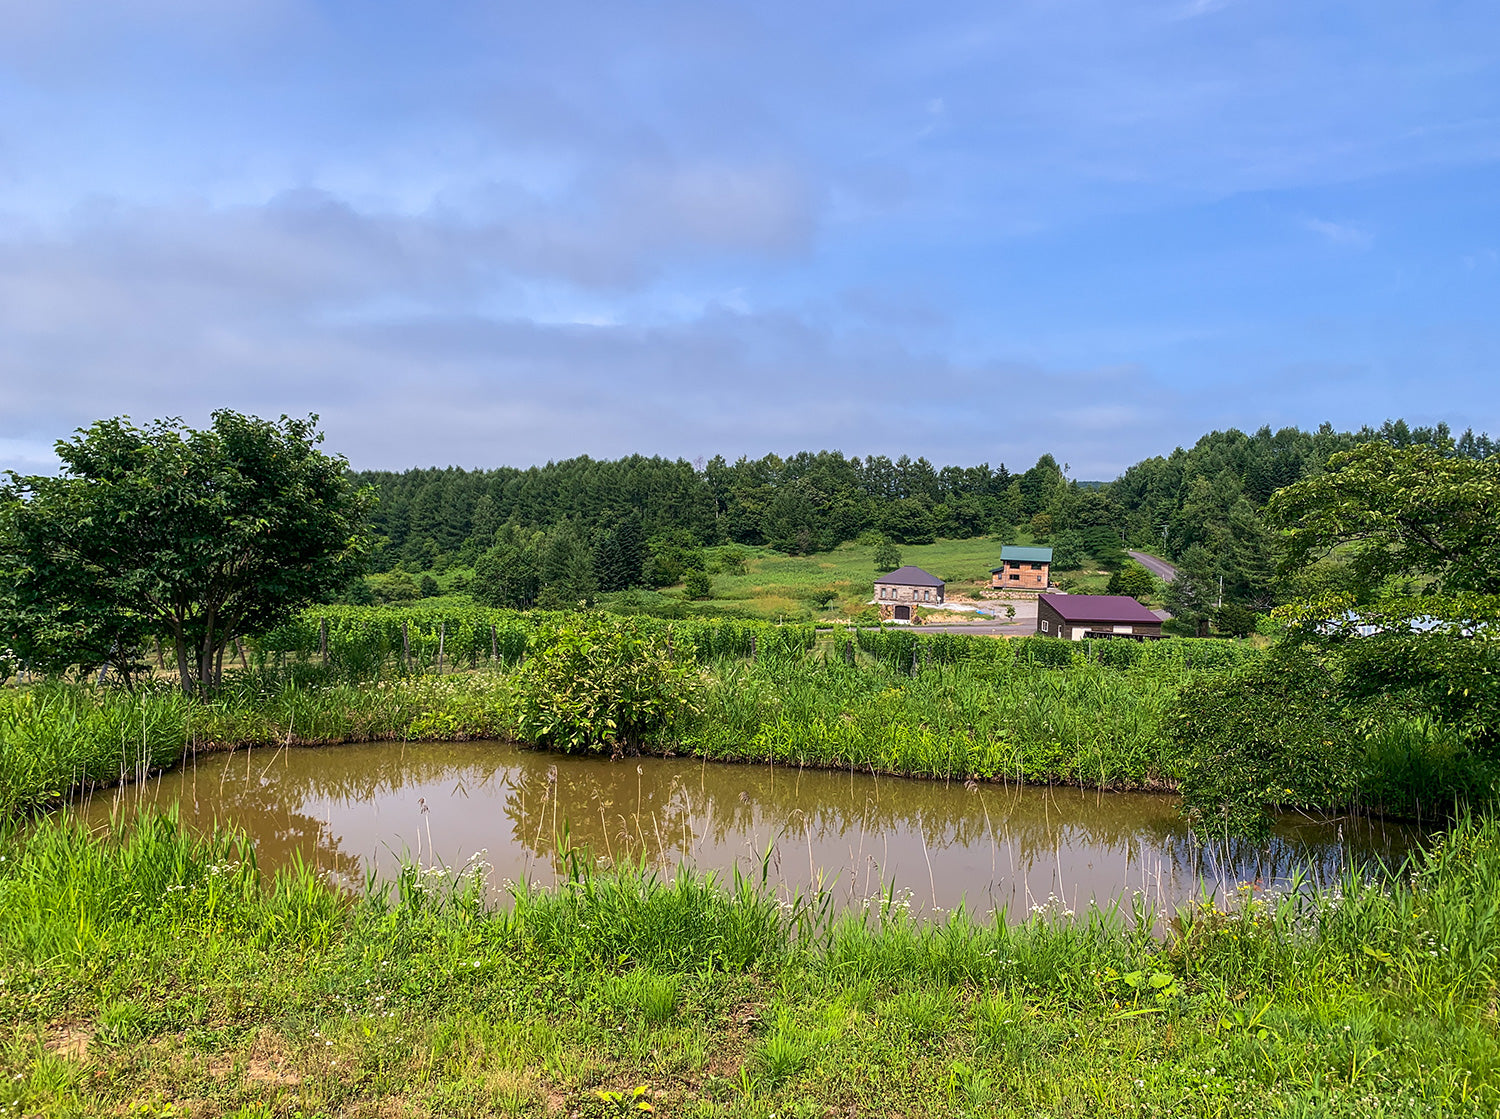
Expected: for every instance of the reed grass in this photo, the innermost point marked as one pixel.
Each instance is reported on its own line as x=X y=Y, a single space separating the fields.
x=964 y=713
x=60 y=738
x=146 y=972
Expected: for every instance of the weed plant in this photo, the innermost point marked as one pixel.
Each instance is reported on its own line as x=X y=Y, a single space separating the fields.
x=145 y=972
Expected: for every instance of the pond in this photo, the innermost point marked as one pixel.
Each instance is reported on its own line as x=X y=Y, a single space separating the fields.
x=352 y=810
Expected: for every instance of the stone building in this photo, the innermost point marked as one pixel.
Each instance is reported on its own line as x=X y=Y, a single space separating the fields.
x=1076 y=616
x=904 y=588
x=1022 y=569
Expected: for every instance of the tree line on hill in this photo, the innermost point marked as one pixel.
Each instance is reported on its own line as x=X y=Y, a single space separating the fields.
x=561 y=533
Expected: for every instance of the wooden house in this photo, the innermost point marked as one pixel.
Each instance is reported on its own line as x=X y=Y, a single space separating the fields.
x=905 y=588
x=1074 y=617
x=1022 y=569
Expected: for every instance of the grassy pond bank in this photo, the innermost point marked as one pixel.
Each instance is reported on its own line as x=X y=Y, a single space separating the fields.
x=148 y=972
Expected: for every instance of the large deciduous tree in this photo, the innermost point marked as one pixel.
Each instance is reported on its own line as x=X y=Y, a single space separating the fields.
x=199 y=536
x=1417 y=510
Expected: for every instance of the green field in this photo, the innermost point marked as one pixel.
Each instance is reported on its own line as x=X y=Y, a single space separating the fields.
x=776 y=585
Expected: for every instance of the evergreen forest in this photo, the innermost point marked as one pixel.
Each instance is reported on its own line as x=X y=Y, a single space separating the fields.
x=560 y=533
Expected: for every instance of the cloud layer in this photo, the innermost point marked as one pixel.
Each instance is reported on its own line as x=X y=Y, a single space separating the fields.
x=1089 y=228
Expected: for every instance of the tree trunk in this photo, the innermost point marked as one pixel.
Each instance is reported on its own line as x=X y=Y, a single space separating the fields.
x=179 y=645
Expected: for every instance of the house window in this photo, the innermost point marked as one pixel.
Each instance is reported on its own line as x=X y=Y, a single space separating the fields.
x=1044 y=627
x=1017 y=578
x=1036 y=567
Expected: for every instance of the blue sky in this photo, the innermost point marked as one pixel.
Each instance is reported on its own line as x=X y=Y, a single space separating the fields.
x=486 y=233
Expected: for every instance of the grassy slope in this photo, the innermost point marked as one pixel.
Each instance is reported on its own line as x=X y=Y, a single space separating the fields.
x=158 y=977
x=778 y=585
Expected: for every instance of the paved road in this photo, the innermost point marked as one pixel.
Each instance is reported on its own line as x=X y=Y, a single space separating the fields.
x=1158 y=567
x=984 y=629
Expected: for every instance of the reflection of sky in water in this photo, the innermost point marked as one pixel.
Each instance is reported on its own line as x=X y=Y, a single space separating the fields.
x=352 y=809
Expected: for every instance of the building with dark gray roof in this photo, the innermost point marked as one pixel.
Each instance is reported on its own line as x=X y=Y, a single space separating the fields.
x=905 y=588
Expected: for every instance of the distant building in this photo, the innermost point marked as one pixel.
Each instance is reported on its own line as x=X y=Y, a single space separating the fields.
x=904 y=588
x=1076 y=616
x=1022 y=569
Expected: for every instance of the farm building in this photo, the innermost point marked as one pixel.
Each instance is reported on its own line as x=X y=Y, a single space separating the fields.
x=1022 y=569
x=904 y=588
x=1076 y=616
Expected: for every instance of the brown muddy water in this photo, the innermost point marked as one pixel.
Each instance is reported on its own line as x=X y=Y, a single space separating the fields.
x=353 y=810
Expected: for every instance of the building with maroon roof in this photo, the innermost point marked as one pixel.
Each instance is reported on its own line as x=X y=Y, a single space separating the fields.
x=1076 y=616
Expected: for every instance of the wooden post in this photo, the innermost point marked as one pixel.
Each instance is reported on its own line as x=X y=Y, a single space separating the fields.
x=442 y=635
x=494 y=643
x=405 y=647
x=240 y=649
x=849 y=653
x=323 y=640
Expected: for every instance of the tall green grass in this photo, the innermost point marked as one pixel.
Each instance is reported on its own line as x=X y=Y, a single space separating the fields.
x=58 y=738
x=1372 y=996
x=1086 y=723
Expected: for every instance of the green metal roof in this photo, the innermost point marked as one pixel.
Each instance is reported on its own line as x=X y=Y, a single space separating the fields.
x=1025 y=555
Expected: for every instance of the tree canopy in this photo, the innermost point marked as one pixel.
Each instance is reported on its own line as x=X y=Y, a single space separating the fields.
x=201 y=536
x=1399 y=511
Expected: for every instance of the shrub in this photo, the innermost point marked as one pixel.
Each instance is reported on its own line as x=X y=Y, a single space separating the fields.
x=1272 y=732
x=597 y=684
x=1238 y=621
x=1132 y=579
x=698 y=584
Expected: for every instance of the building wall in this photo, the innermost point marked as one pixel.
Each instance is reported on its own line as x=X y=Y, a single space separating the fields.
x=1049 y=622
x=1021 y=575
x=900 y=592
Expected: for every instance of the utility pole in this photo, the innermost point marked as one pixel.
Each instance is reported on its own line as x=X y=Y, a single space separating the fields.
x=1220 y=604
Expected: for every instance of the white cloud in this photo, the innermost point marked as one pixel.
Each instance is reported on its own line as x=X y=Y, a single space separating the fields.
x=1340 y=233
x=1195 y=8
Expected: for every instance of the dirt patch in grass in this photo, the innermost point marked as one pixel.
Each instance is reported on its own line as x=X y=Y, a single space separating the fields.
x=70 y=1040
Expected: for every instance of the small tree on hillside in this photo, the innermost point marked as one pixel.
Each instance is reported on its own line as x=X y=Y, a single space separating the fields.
x=1132 y=579
x=1192 y=597
x=203 y=536
x=887 y=556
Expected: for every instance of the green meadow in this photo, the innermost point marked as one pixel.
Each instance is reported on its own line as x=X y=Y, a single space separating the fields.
x=840 y=582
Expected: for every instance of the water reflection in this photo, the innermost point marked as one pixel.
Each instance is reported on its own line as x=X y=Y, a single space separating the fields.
x=356 y=809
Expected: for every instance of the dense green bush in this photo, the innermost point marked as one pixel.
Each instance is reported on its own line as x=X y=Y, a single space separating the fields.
x=599 y=684
x=1271 y=732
